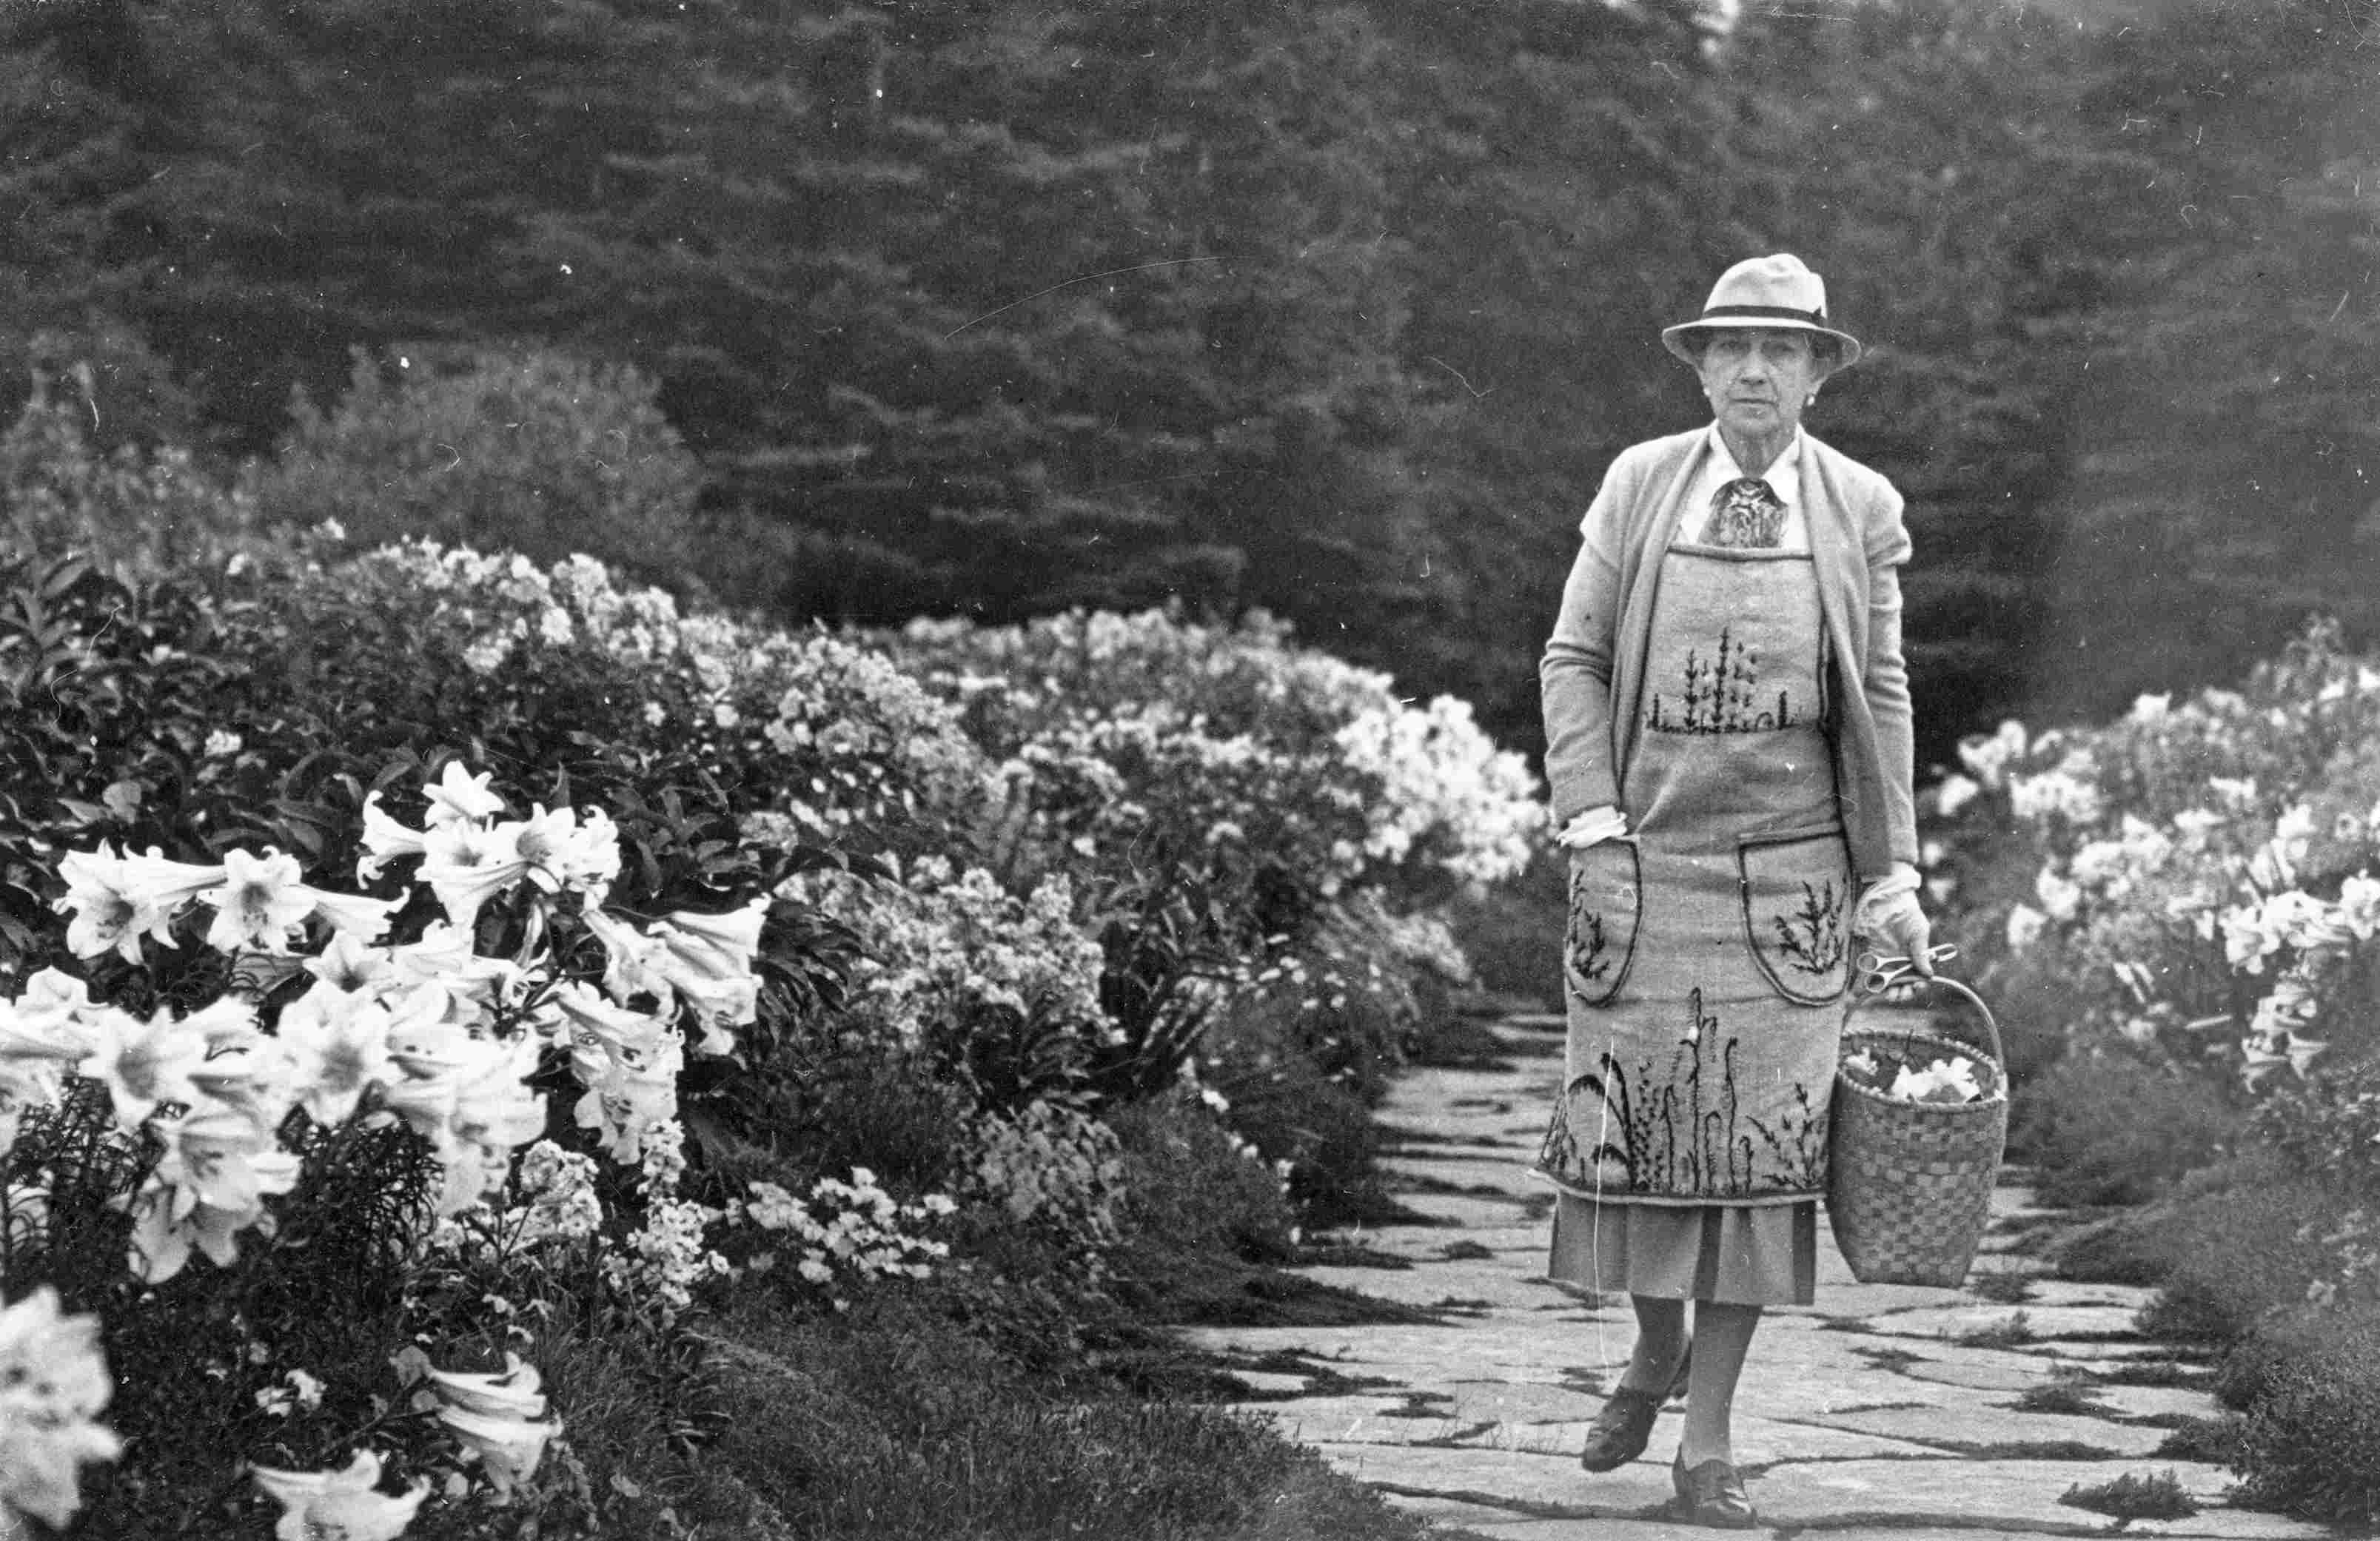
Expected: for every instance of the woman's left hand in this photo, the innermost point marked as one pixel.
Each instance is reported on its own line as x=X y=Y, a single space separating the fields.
x=1896 y=923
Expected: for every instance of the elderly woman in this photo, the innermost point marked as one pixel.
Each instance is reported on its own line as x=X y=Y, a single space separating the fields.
x=1728 y=731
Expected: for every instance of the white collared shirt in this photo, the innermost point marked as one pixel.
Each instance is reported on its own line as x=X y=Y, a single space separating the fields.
x=1784 y=478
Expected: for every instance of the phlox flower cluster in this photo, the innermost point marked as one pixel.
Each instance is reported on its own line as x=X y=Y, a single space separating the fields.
x=852 y=741
x=874 y=736
x=848 y=1234
x=2198 y=852
x=666 y=1257
x=1101 y=785
x=942 y=945
x=551 y=1201
x=1346 y=767
x=1425 y=941
x=1440 y=778
x=2069 y=791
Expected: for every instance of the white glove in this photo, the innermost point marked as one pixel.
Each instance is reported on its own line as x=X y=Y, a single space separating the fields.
x=1592 y=828
x=1892 y=921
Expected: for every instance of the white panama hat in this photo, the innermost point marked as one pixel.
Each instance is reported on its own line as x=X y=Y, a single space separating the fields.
x=1777 y=291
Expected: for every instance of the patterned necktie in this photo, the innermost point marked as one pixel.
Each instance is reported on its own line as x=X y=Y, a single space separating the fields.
x=1746 y=513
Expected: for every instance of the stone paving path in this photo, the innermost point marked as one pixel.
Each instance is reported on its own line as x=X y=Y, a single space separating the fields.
x=1883 y=1412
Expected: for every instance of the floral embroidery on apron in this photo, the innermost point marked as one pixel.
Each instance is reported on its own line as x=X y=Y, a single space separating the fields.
x=1706 y=958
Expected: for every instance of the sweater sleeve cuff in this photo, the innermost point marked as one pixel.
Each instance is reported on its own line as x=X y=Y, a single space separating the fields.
x=1902 y=879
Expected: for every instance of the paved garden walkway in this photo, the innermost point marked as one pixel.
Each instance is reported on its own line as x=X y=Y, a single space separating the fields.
x=1883 y=1412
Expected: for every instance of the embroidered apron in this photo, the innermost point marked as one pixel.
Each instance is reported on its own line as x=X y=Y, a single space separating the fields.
x=1705 y=962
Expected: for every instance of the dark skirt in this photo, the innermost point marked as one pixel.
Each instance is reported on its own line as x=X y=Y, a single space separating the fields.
x=1736 y=1255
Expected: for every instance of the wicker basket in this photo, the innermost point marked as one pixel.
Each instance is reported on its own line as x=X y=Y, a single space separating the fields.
x=1908 y=1184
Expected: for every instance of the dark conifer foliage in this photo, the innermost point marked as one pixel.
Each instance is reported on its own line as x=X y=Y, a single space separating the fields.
x=1339 y=309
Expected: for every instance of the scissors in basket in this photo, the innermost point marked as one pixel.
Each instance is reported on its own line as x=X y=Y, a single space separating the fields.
x=1879 y=972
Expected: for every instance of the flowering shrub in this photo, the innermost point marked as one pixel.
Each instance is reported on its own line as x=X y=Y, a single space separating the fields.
x=151 y=510
x=2205 y=868
x=536 y=452
x=1223 y=800
x=1121 y=732
x=301 y=1011
x=200 y=1123
x=810 y=734
x=2205 y=876
x=1003 y=990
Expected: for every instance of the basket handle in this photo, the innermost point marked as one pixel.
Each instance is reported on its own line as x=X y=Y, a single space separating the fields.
x=1876 y=973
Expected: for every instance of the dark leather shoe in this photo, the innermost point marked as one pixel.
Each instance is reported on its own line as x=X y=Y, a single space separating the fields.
x=1712 y=1495
x=1624 y=1427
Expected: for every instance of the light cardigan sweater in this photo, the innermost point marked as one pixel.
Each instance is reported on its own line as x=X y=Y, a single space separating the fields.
x=1592 y=675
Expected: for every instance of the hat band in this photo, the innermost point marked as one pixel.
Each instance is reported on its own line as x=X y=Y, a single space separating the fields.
x=1770 y=312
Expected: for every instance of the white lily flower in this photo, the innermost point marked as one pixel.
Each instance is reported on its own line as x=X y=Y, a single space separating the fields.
x=261 y=904
x=168 y=884
x=719 y=1007
x=494 y=1416
x=493 y=1103
x=424 y=1038
x=561 y=853
x=338 y=1047
x=1951 y=1080
x=602 y=1034
x=511 y=1392
x=714 y=946
x=352 y=914
x=423 y=1103
x=442 y=950
x=466 y=867
x=346 y=1504
x=209 y=1185
x=350 y=965
x=633 y=964
x=459 y=797
x=110 y=907
x=625 y=1105
x=385 y=840
x=143 y=1063
x=45 y=1024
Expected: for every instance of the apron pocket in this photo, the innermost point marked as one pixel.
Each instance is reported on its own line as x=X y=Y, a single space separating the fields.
x=1797 y=901
x=1605 y=890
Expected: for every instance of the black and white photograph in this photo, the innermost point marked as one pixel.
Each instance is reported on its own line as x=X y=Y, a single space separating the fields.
x=1189 y=770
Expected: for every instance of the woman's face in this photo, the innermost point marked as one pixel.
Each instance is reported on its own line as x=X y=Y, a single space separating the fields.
x=1760 y=379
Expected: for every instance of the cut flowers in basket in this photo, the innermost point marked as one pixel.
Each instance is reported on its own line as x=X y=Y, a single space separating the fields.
x=1951 y=1080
